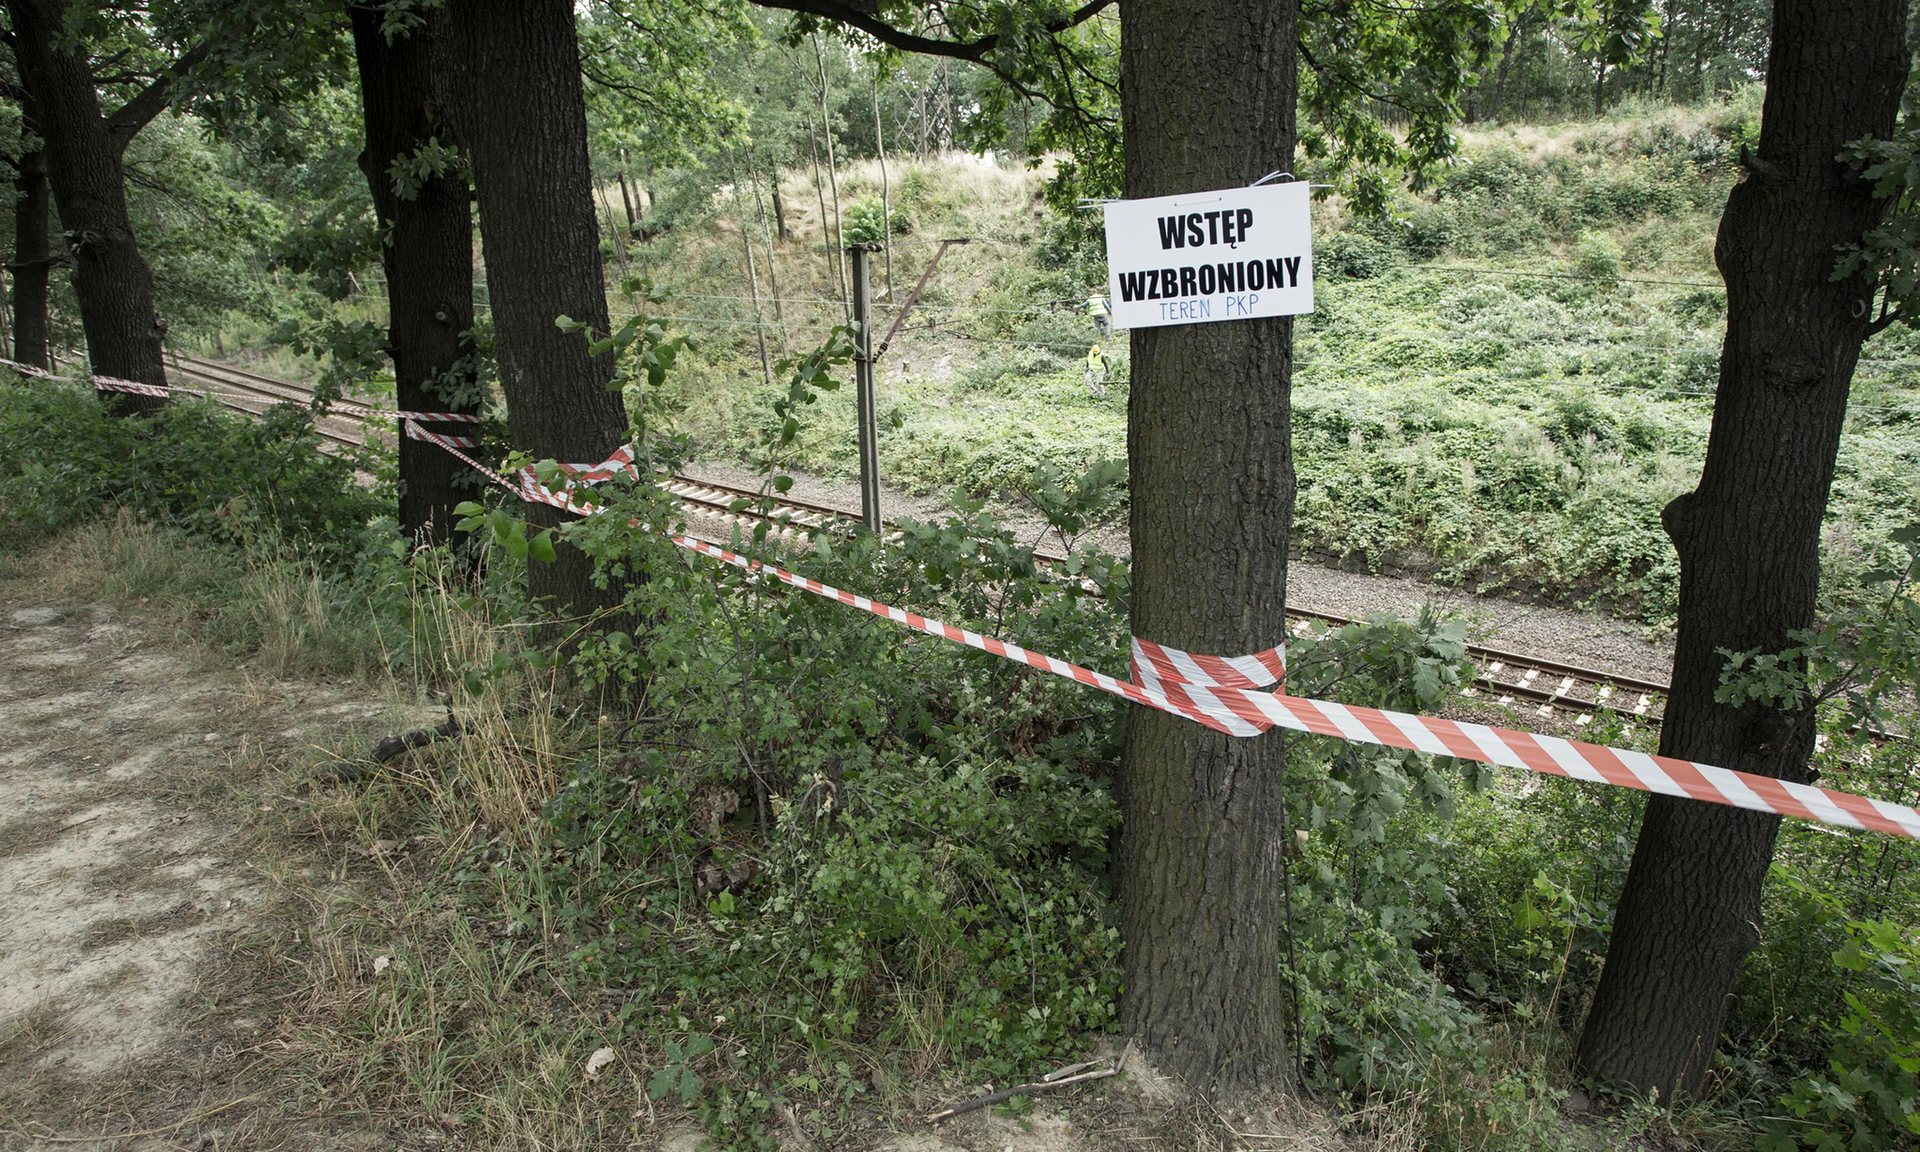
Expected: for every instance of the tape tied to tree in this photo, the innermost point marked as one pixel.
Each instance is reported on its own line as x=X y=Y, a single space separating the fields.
x=340 y=407
x=1237 y=695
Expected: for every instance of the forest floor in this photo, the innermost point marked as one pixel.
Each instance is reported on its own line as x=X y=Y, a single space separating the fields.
x=172 y=956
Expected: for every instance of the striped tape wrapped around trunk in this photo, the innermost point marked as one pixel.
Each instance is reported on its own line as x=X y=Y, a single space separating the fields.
x=1235 y=695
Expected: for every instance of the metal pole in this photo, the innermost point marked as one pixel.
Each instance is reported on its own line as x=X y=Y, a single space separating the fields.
x=863 y=367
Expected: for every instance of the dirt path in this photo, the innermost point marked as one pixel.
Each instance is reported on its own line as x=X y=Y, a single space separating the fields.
x=125 y=881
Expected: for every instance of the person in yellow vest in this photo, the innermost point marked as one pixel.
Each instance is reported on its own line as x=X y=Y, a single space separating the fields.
x=1096 y=371
x=1102 y=314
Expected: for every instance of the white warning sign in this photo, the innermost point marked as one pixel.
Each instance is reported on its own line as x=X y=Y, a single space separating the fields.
x=1236 y=254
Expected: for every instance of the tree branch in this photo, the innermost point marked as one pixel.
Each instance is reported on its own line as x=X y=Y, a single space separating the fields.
x=1885 y=320
x=974 y=50
x=138 y=112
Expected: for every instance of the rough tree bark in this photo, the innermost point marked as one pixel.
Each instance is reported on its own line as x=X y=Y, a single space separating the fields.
x=1749 y=535
x=84 y=147
x=512 y=79
x=427 y=252
x=32 y=251
x=1208 y=440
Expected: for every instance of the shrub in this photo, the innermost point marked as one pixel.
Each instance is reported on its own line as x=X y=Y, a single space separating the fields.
x=1598 y=257
x=64 y=458
x=1353 y=256
x=867 y=222
x=1867 y=1096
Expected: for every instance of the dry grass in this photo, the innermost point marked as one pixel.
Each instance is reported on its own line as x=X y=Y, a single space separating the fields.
x=1610 y=134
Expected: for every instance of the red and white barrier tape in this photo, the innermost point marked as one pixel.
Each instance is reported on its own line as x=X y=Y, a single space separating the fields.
x=1193 y=681
x=111 y=384
x=415 y=432
x=1229 y=694
x=28 y=369
x=342 y=407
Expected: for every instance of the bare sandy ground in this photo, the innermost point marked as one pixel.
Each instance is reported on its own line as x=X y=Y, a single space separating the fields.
x=125 y=881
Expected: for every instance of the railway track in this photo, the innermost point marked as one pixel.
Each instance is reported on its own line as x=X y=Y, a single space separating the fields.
x=1549 y=689
x=252 y=393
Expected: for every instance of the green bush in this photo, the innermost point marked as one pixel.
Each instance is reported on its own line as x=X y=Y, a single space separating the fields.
x=1598 y=257
x=1353 y=256
x=867 y=222
x=1866 y=1098
x=64 y=458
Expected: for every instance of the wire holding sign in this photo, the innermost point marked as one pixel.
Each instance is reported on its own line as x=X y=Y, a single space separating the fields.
x=1204 y=257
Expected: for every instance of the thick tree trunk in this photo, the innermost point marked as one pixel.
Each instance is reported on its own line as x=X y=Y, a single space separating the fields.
x=512 y=73
x=1749 y=536
x=110 y=277
x=1208 y=440
x=428 y=257
x=32 y=252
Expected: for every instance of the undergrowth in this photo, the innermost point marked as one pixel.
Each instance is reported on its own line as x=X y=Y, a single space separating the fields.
x=1503 y=382
x=792 y=867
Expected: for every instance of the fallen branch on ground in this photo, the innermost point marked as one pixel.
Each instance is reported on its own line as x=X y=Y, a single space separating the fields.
x=388 y=747
x=1046 y=1085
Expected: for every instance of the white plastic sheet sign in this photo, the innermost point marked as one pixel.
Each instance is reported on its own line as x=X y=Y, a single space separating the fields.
x=1236 y=254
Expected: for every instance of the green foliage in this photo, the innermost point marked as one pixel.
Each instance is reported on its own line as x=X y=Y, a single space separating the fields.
x=430 y=161
x=656 y=77
x=1499 y=390
x=867 y=222
x=677 y=1078
x=1354 y=256
x=1502 y=200
x=185 y=188
x=1867 y=1096
x=1864 y=659
x=1420 y=61
x=843 y=835
x=506 y=531
x=1890 y=253
x=1598 y=257
x=263 y=482
x=305 y=157
x=1420 y=903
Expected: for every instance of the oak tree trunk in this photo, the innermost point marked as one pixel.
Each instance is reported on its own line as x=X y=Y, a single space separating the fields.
x=32 y=252
x=1749 y=536
x=1208 y=441
x=512 y=78
x=427 y=252
x=110 y=277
